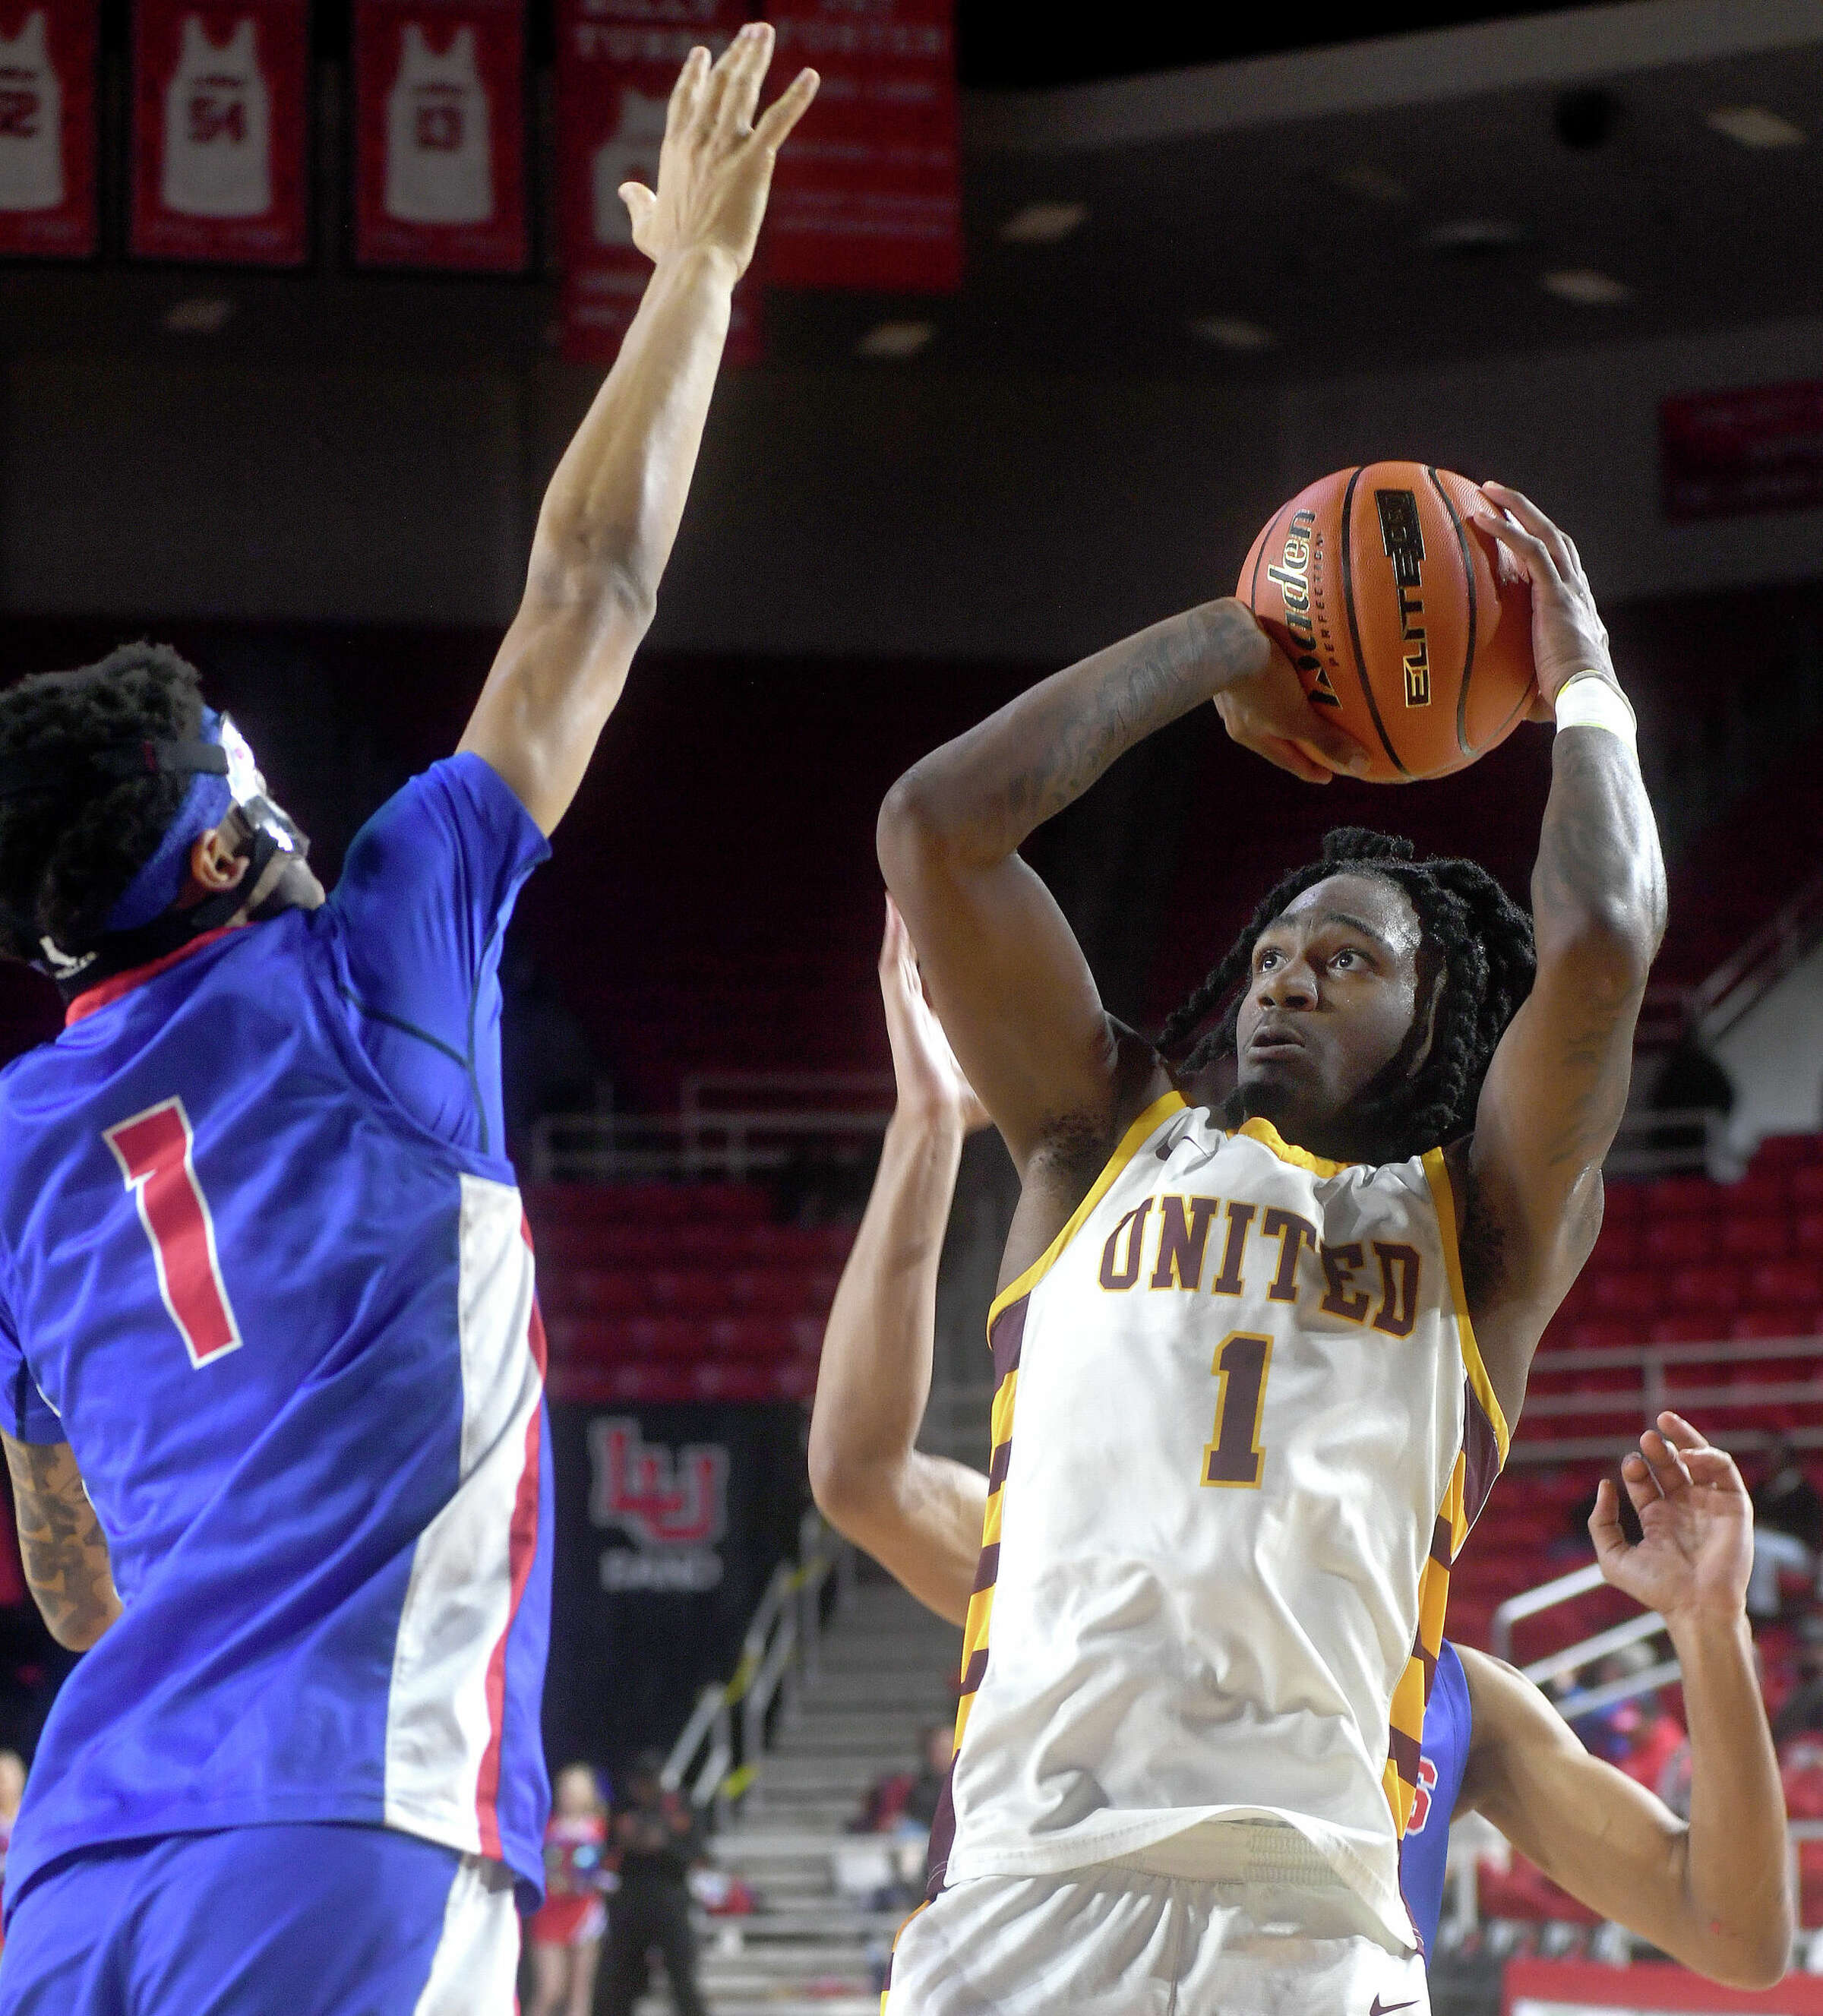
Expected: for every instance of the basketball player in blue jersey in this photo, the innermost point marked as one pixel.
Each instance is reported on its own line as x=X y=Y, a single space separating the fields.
x=1711 y=1891
x=1256 y=1353
x=271 y=1363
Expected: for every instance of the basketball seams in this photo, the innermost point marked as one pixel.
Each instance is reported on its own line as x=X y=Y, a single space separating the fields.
x=1346 y=536
x=1470 y=649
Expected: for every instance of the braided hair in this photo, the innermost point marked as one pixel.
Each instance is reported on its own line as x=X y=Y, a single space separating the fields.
x=1482 y=940
x=66 y=856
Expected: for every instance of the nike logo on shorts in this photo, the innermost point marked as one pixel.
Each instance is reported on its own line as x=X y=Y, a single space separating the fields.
x=1386 y=2008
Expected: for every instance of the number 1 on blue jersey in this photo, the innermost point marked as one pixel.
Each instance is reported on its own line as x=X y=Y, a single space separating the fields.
x=155 y=1152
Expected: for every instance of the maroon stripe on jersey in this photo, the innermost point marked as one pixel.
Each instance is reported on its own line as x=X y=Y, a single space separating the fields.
x=1442 y=1552
x=976 y=1673
x=987 y=1570
x=1426 y=1658
x=1005 y=1335
x=1407 y=1753
x=1480 y=1455
x=942 y=1841
x=997 y=1464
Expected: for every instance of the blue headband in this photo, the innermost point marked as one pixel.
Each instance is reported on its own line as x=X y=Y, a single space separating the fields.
x=160 y=882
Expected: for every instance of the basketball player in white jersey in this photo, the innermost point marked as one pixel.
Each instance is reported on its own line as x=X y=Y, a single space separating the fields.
x=1253 y=1386
x=1711 y=1891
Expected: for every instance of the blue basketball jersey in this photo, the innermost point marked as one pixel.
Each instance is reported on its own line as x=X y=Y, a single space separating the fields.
x=263 y=1265
x=1449 y=1724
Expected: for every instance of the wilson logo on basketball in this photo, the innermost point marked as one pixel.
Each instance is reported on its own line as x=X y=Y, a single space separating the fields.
x=1403 y=539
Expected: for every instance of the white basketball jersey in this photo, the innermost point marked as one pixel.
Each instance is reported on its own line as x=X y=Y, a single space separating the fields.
x=218 y=127
x=439 y=144
x=629 y=153
x=31 y=121
x=1240 y=1429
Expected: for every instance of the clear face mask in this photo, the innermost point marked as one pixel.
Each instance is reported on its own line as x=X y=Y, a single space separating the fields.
x=258 y=811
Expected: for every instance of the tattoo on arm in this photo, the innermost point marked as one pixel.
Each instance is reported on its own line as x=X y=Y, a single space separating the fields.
x=61 y=1542
x=1145 y=683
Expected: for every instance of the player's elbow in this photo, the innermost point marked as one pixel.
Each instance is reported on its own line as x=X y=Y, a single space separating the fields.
x=926 y=825
x=1607 y=946
x=847 y=1489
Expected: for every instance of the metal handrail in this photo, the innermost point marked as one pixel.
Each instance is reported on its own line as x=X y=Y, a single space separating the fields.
x=1530 y=1602
x=718 y=1759
x=619 y=1148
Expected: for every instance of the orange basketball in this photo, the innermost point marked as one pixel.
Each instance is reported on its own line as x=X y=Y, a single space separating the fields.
x=1377 y=584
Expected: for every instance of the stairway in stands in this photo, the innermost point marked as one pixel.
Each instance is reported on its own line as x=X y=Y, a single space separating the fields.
x=887 y=1671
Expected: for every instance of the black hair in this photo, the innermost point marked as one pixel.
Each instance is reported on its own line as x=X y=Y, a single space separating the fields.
x=66 y=854
x=1481 y=941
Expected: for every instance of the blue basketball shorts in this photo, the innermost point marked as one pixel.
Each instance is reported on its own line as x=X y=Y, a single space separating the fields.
x=309 y=1920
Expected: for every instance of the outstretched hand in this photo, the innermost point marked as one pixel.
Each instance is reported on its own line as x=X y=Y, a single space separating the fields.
x=1695 y=1551
x=1568 y=634
x=931 y=1083
x=1269 y=714
x=716 y=167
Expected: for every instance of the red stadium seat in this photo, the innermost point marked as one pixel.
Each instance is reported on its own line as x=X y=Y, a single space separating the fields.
x=594 y=1290
x=1761 y=1237
x=1788 y=1151
x=1715 y=1287
x=1806 y=1185
x=1673 y=1196
x=1685 y=1329
x=1786 y=1284
x=1765 y=1194
x=1620 y=1246
x=1807 y=1232
x=1605 y=1333
x=1764 y=1322
x=1639 y=1292
x=1623 y=1203
x=762 y=1339
x=1672 y=1242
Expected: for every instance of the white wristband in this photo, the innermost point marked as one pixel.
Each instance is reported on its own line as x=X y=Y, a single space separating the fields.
x=1590 y=699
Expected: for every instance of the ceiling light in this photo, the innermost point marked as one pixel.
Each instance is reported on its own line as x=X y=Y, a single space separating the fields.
x=1753 y=126
x=1043 y=223
x=202 y=315
x=1373 y=183
x=1474 y=237
x=1587 y=287
x=895 y=339
x=1233 y=332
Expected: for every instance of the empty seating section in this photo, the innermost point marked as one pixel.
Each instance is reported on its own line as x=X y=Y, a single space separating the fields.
x=663 y=1292
x=1712 y=1269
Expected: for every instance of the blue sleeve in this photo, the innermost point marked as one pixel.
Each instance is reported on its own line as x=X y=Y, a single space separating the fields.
x=25 y=1413
x=426 y=889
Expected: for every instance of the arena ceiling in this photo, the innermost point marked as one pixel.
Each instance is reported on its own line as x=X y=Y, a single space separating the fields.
x=1584 y=174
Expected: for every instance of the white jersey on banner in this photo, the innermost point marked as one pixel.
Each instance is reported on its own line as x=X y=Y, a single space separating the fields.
x=1241 y=1428
x=629 y=153
x=439 y=146
x=31 y=121
x=218 y=127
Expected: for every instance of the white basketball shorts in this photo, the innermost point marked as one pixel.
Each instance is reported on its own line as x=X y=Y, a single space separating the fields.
x=1115 y=1940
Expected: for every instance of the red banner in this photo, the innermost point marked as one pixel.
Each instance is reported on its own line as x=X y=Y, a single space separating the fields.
x=221 y=128
x=616 y=60
x=1726 y=454
x=47 y=129
x=868 y=192
x=1556 y=1987
x=440 y=134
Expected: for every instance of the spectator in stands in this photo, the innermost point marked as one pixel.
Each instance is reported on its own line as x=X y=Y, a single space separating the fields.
x=902 y=1806
x=1788 y=1529
x=564 y=1934
x=657 y=1841
x=1801 y=1713
x=1636 y=1736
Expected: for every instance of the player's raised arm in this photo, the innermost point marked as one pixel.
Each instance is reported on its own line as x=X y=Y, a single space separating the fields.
x=1557 y=1087
x=61 y=1545
x=919 y=1516
x=1713 y=1892
x=1004 y=969
x=611 y=514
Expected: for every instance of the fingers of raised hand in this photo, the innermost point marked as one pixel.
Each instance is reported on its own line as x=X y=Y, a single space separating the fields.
x=688 y=89
x=1636 y=1473
x=784 y=112
x=1287 y=755
x=1665 y=1463
x=1531 y=554
x=640 y=203
x=1517 y=506
x=1605 y=1520
x=752 y=51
